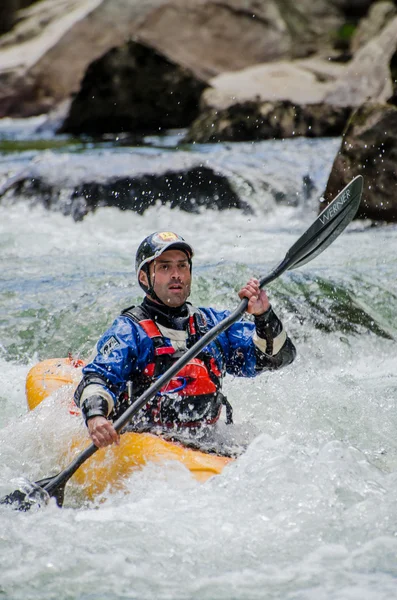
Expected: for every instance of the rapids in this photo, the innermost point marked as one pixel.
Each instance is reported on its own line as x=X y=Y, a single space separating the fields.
x=309 y=510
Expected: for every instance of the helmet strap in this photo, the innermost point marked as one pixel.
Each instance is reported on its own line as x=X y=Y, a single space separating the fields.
x=150 y=289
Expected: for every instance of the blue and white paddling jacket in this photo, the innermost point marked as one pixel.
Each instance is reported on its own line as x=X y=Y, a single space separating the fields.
x=142 y=343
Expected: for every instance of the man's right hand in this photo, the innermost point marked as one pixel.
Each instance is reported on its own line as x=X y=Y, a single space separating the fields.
x=102 y=432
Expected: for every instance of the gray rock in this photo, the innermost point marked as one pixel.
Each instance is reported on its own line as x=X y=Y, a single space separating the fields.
x=299 y=81
x=297 y=98
x=210 y=37
x=268 y=120
x=44 y=58
x=369 y=148
x=219 y=37
x=133 y=88
x=56 y=183
x=379 y=15
x=368 y=76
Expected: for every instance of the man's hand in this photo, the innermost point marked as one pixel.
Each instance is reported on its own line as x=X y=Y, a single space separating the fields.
x=258 y=302
x=102 y=432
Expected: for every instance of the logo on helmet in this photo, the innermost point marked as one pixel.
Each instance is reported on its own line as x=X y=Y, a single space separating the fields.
x=166 y=236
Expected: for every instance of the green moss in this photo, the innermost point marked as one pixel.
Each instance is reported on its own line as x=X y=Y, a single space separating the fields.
x=345 y=32
x=11 y=146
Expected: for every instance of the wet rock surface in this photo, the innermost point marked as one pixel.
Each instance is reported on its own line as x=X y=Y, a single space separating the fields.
x=369 y=148
x=268 y=120
x=190 y=189
x=133 y=88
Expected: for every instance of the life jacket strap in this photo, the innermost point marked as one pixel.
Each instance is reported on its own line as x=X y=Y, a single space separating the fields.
x=150 y=328
x=192 y=325
x=162 y=410
x=229 y=410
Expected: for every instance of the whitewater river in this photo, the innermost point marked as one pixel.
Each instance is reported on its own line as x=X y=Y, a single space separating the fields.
x=309 y=511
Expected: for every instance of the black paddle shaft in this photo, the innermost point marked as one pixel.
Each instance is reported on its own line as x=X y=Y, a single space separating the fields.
x=328 y=225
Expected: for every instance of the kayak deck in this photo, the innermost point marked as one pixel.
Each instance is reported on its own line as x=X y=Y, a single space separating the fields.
x=110 y=467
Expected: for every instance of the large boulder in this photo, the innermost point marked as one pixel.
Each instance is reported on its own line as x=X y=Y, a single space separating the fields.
x=136 y=184
x=369 y=148
x=133 y=88
x=211 y=37
x=304 y=81
x=276 y=100
x=257 y=100
x=309 y=81
x=268 y=120
x=44 y=58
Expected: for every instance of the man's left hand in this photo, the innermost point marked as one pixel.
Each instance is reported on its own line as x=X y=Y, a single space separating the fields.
x=258 y=302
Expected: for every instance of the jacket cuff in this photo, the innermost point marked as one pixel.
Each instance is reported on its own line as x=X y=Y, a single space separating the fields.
x=265 y=321
x=94 y=406
x=269 y=334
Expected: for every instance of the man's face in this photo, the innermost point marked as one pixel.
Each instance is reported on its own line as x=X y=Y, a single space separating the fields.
x=170 y=276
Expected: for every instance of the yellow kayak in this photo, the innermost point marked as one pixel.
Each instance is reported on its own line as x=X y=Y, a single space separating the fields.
x=109 y=467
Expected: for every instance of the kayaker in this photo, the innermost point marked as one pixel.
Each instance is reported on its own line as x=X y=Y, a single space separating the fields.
x=145 y=339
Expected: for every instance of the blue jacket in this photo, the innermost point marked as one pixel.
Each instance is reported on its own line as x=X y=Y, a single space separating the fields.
x=125 y=350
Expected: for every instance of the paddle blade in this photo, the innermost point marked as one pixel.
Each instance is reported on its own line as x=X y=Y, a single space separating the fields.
x=34 y=494
x=28 y=495
x=328 y=225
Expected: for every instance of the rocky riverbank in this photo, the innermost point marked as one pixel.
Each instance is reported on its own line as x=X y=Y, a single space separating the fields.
x=235 y=70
